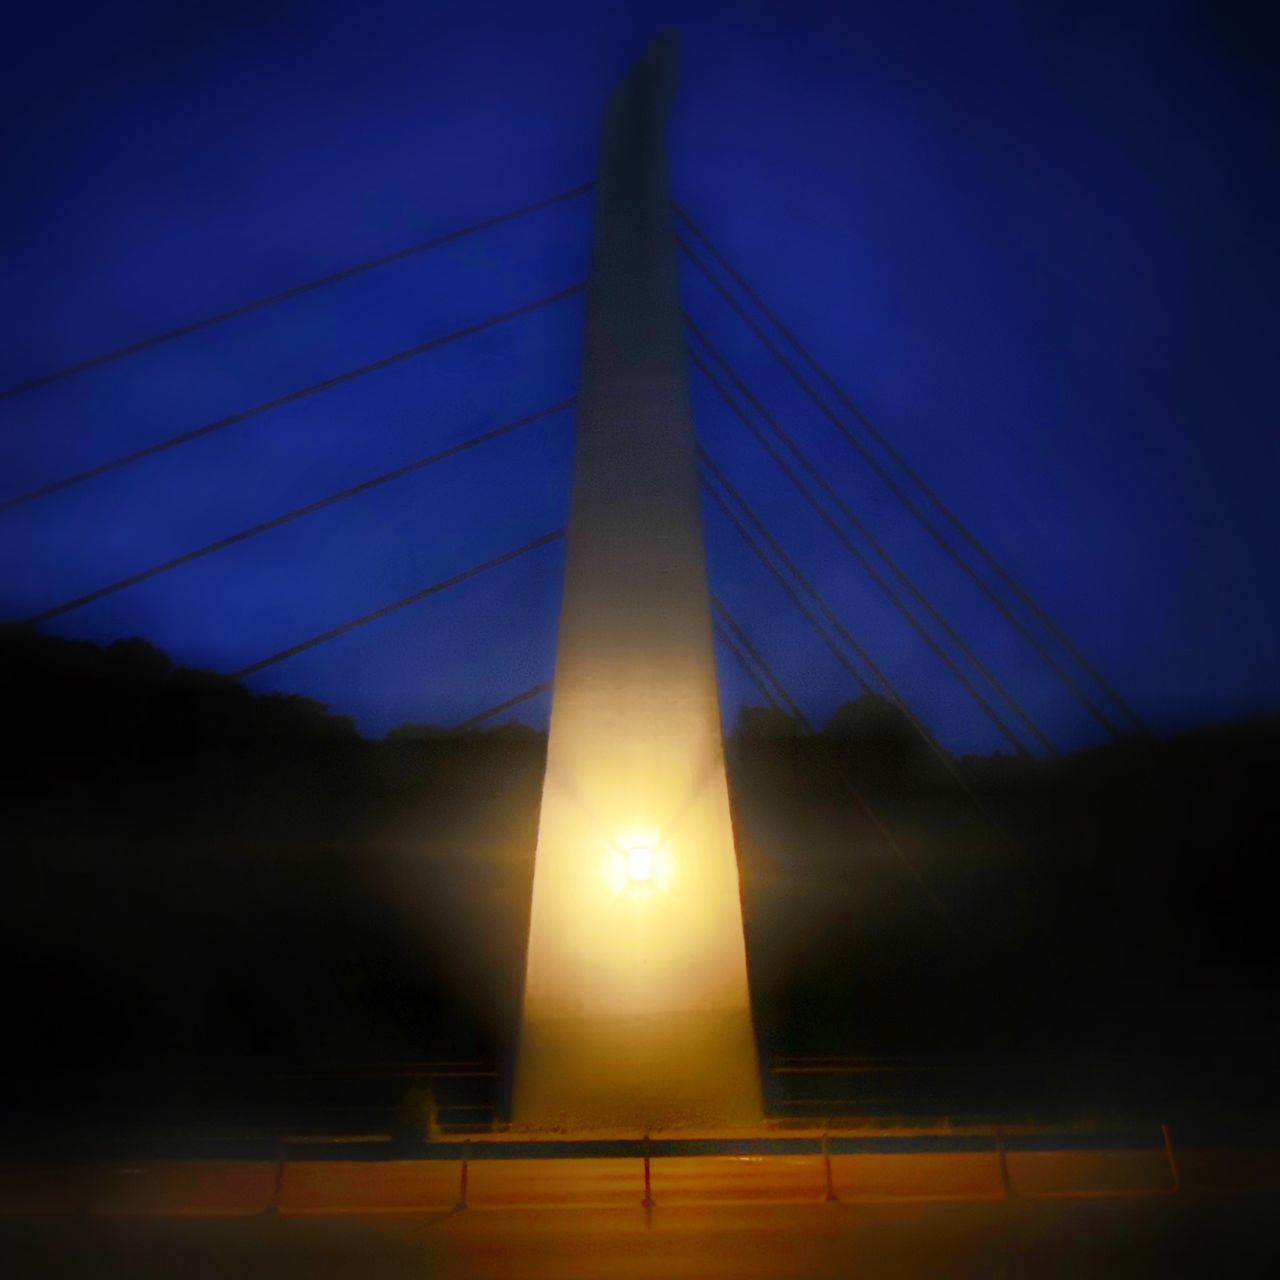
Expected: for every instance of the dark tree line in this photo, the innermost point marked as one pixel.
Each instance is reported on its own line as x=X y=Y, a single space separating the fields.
x=193 y=875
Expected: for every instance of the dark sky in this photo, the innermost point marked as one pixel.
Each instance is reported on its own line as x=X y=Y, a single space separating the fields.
x=1036 y=241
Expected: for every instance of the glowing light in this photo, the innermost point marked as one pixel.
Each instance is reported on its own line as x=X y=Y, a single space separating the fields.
x=640 y=864
x=637 y=865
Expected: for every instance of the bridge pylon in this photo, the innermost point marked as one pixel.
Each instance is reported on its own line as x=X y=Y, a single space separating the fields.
x=636 y=1011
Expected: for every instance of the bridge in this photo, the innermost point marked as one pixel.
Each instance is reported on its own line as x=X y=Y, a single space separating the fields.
x=612 y=698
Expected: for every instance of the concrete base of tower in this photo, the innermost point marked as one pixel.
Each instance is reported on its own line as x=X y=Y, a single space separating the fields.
x=692 y=1068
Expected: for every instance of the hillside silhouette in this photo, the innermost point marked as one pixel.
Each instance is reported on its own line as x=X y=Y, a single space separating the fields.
x=196 y=876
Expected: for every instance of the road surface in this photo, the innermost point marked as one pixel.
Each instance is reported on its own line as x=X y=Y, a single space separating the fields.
x=1046 y=1239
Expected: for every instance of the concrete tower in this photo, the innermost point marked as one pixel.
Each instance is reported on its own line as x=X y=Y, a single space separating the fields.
x=636 y=1012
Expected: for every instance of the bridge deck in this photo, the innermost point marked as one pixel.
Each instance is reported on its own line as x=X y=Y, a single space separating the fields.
x=542 y=1171
x=1046 y=1239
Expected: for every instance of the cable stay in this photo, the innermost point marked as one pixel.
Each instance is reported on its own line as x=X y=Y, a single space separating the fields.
x=788 y=440
x=983 y=704
x=885 y=834
x=325 y=636
x=261 y=304
x=722 y=634
x=475 y=721
x=941 y=754
x=292 y=397
x=737 y=636
x=243 y=535
x=833 y=622
x=1028 y=601
x=913 y=507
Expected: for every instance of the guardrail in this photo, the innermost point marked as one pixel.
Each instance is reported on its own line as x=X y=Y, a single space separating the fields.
x=648 y=1172
x=368 y=1100
x=378 y=1175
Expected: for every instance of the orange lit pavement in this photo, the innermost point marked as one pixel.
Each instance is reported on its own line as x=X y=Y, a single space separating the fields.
x=1170 y=1236
x=1041 y=1213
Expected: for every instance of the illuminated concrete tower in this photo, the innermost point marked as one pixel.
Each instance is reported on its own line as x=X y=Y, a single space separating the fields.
x=636 y=1012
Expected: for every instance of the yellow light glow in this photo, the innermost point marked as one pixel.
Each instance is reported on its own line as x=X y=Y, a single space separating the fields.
x=640 y=864
x=636 y=1011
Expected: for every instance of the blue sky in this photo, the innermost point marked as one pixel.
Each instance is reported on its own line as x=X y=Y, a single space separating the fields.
x=1036 y=242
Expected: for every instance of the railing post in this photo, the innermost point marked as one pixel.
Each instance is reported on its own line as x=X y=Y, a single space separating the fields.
x=277 y=1189
x=647 y=1202
x=1002 y=1156
x=1174 y=1171
x=826 y=1164
x=462 y=1188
